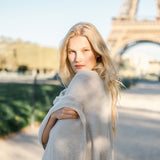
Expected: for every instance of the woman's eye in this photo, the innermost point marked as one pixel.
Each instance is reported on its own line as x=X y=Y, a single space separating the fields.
x=71 y=52
x=86 y=50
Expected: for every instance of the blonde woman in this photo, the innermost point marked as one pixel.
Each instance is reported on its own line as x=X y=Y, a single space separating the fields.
x=82 y=122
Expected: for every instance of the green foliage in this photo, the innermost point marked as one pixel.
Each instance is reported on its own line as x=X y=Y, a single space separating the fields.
x=153 y=74
x=126 y=65
x=17 y=53
x=16 y=104
x=22 y=68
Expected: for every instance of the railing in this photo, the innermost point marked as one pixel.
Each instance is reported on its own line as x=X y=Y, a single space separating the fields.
x=147 y=18
x=138 y=18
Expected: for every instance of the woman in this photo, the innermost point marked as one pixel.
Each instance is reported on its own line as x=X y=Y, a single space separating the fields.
x=81 y=124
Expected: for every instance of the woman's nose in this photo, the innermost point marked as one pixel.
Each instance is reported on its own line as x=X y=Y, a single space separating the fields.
x=78 y=57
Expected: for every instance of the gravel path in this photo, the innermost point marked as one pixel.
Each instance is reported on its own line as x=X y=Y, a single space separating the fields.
x=138 y=129
x=23 y=146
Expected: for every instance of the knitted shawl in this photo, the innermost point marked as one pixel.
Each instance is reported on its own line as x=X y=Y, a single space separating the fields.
x=90 y=136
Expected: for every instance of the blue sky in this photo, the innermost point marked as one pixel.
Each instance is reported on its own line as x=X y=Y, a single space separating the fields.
x=45 y=22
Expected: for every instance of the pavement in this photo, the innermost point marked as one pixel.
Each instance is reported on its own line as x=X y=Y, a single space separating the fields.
x=138 y=124
x=138 y=129
x=22 y=146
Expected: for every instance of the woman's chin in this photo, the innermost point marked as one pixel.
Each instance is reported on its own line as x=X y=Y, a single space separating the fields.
x=80 y=69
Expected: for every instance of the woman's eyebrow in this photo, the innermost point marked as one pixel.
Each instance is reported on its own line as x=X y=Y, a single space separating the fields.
x=81 y=48
x=86 y=47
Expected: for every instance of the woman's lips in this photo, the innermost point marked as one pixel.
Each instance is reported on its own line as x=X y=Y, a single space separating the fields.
x=79 y=66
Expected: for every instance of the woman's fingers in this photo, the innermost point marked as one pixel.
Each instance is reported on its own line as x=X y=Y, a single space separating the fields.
x=70 y=111
x=67 y=113
x=70 y=116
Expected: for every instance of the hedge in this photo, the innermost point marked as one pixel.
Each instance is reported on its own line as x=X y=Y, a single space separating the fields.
x=16 y=104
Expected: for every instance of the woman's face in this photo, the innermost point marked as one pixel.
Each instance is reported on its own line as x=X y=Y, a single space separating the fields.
x=80 y=54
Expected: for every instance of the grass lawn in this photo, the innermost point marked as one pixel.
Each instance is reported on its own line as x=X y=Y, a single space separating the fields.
x=16 y=102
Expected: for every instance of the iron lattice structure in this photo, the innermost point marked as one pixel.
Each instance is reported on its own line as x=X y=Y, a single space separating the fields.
x=126 y=29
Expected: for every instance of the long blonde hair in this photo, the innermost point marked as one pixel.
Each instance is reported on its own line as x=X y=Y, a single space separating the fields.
x=105 y=66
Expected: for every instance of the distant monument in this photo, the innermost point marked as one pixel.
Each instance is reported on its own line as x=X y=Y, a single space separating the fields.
x=127 y=30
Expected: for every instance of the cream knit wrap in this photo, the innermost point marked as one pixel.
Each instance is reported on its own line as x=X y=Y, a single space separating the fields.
x=90 y=136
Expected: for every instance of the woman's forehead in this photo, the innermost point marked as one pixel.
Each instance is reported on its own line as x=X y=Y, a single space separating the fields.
x=78 y=42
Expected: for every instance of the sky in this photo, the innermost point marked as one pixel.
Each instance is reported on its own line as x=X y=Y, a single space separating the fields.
x=45 y=22
x=150 y=50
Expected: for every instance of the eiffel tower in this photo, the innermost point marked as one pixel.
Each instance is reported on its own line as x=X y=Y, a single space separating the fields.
x=127 y=30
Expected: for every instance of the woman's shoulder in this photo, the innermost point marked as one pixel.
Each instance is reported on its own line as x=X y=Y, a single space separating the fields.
x=61 y=94
x=86 y=78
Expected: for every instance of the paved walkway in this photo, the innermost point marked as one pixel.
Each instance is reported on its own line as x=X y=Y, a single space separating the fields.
x=23 y=146
x=138 y=130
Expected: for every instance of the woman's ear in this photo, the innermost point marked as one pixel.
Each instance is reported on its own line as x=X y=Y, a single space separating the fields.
x=98 y=58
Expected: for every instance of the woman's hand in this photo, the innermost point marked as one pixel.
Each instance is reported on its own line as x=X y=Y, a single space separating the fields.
x=65 y=113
